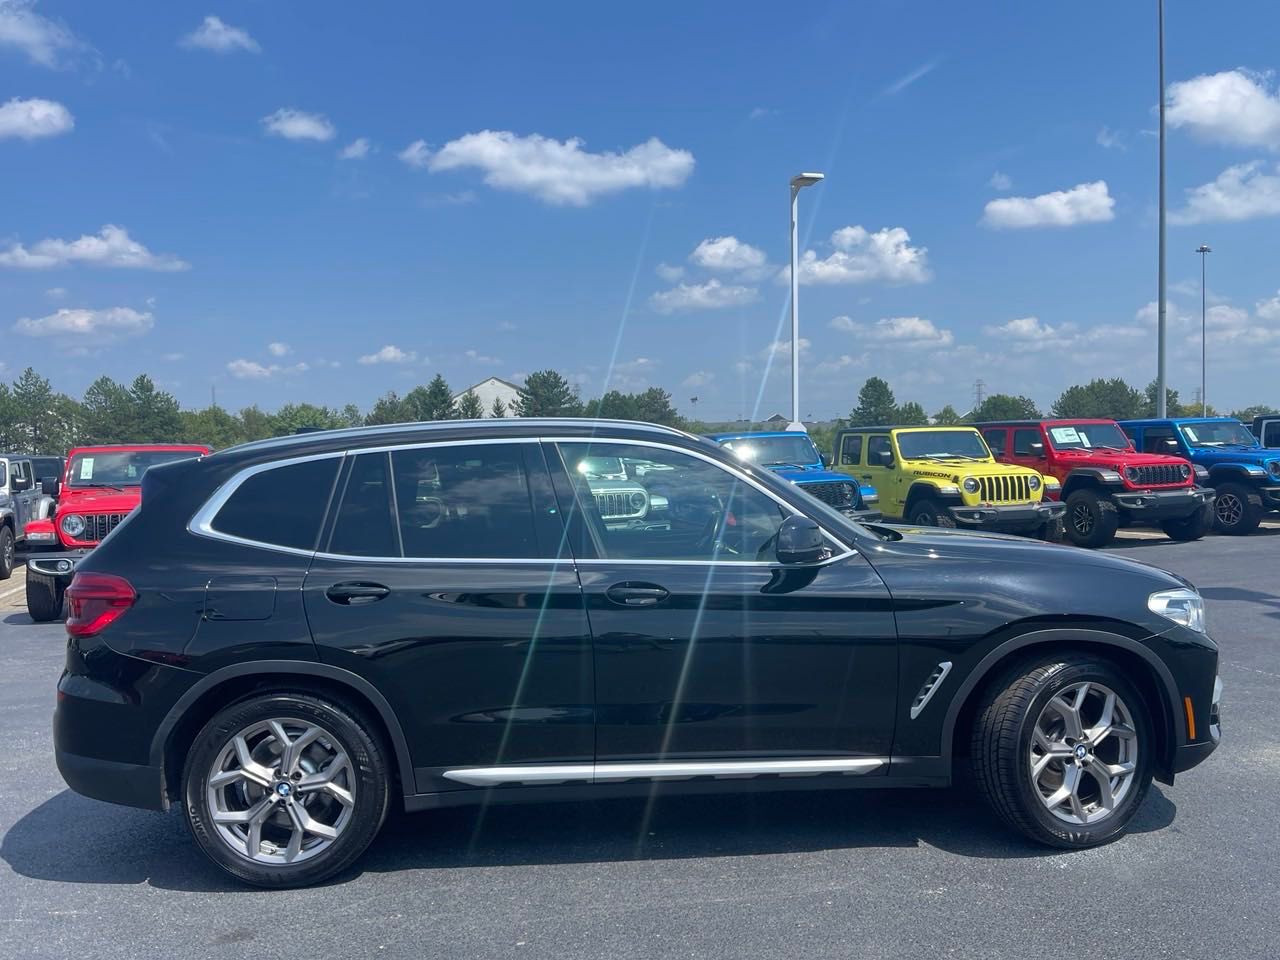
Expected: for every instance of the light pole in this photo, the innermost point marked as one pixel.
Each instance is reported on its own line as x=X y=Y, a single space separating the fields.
x=1161 y=389
x=1203 y=250
x=798 y=183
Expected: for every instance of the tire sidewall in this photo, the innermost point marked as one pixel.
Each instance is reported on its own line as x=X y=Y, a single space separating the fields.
x=1084 y=835
x=6 y=552
x=368 y=761
x=1250 y=512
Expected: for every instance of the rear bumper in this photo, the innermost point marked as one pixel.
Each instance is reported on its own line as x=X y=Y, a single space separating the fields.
x=1017 y=517
x=114 y=782
x=1142 y=505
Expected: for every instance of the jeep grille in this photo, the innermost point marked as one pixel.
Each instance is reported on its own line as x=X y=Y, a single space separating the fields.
x=835 y=493
x=1004 y=489
x=621 y=504
x=1164 y=473
x=98 y=525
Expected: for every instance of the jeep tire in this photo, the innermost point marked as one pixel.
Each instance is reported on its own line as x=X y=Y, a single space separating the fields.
x=1051 y=531
x=1189 y=528
x=44 y=596
x=1091 y=519
x=1238 y=509
x=928 y=512
x=6 y=551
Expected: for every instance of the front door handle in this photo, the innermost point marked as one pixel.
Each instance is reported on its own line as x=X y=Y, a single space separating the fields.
x=866 y=476
x=636 y=594
x=353 y=594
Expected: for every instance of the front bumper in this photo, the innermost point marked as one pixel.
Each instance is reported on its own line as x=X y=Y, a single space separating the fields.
x=1016 y=517
x=1155 y=505
x=59 y=565
x=1193 y=754
x=1270 y=497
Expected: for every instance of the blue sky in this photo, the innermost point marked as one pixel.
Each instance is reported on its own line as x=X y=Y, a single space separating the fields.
x=324 y=201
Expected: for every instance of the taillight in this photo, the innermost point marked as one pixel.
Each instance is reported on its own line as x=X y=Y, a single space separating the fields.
x=95 y=601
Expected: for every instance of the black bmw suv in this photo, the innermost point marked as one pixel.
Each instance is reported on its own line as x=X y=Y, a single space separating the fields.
x=291 y=636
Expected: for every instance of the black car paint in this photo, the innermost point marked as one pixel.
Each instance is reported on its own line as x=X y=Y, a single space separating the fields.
x=480 y=664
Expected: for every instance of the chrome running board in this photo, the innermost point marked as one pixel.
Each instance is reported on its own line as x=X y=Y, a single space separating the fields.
x=660 y=770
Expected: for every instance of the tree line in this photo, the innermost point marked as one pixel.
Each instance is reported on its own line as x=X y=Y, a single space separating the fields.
x=36 y=419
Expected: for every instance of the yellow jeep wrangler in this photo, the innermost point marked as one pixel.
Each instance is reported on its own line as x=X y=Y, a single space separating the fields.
x=947 y=477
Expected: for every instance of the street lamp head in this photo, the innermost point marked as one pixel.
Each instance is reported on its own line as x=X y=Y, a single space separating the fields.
x=801 y=180
x=1203 y=248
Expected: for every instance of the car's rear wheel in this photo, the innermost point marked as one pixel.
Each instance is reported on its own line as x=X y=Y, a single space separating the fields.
x=1091 y=519
x=1062 y=750
x=44 y=596
x=927 y=512
x=1238 y=510
x=1189 y=528
x=286 y=789
x=6 y=552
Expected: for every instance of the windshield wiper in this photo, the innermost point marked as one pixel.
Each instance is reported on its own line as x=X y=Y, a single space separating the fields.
x=781 y=463
x=104 y=486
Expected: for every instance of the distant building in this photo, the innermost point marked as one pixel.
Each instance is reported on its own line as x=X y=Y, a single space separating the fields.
x=778 y=418
x=494 y=388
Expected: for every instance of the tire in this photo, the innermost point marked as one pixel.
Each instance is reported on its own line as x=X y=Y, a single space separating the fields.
x=928 y=512
x=1051 y=531
x=1091 y=519
x=1189 y=528
x=44 y=597
x=6 y=552
x=1238 y=510
x=286 y=856
x=1004 y=749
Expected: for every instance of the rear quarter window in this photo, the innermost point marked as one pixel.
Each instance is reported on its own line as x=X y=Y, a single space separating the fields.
x=280 y=506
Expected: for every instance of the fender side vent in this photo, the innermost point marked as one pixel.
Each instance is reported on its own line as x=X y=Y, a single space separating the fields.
x=930 y=688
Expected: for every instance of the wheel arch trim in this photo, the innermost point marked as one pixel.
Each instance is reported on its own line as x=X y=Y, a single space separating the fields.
x=309 y=668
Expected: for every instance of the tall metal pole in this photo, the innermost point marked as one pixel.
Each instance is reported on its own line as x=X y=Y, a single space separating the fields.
x=795 y=315
x=1203 y=250
x=1161 y=389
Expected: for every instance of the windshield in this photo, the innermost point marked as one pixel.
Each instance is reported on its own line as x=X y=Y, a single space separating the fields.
x=1218 y=433
x=1088 y=436
x=123 y=468
x=798 y=450
x=943 y=445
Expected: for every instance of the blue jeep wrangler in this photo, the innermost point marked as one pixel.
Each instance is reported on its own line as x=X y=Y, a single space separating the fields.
x=794 y=456
x=1226 y=456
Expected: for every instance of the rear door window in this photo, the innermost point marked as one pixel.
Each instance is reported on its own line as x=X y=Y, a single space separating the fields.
x=365 y=525
x=851 y=450
x=280 y=506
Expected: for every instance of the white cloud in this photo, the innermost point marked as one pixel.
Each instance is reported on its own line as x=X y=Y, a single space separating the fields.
x=252 y=370
x=699 y=378
x=278 y=349
x=902 y=331
x=56 y=293
x=298 y=125
x=172 y=357
x=100 y=325
x=553 y=171
x=1000 y=181
x=506 y=326
x=416 y=155
x=213 y=34
x=1084 y=203
x=712 y=295
x=110 y=247
x=841 y=363
x=759 y=113
x=390 y=354
x=33 y=119
x=781 y=349
x=41 y=39
x=357 y=149
x=669 y=273
x=1269 y=309
x=1031 y=334
x=475 y=356
x=1233 y=107
x=1241 y=192
x=905 y=81
x=727 y=253
x=1110 y=139
x=864 y=257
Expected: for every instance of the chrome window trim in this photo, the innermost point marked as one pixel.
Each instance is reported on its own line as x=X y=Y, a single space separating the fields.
x=201 y=524
x=617 y=772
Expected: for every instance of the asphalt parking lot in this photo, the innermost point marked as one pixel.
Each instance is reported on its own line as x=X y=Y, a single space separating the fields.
x=867 y=874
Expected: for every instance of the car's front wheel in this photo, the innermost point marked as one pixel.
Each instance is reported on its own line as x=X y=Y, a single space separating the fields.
x=6 y=552
x=1238 y=509
x=1062 y=749
x=45 y=595
x=1091 y=519
x=927 y=512
x=286 y=789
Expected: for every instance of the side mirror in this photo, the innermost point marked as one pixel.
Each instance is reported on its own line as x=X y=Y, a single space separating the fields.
x=1037 y=450
x=882 y=458
x=19 y=484
x=826 y=461
x=49 y=486
x=800 y=541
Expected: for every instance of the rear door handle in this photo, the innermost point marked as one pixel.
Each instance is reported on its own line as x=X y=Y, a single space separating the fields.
x=637 y=594
x=353 y=594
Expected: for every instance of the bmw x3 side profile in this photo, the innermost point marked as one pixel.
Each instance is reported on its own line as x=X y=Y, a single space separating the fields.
x=291 y=637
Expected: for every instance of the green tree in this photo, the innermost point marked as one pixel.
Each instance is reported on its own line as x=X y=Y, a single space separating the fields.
x=548 y=394
x=1002 y=406
x=213 y=426
x=654 y=406
x=876 y=405
x=432 y=402
x=911 y=414
x=389 y=409
x=947 y=417
x=105 y=412
x=1100 y=398
x=257 y=425
x=295 y=416
x=32 y=401
x=8 y=420
x=499 y=409
x=469 y=406
x=350 y=416
x=154 y=414
x=1257 y=410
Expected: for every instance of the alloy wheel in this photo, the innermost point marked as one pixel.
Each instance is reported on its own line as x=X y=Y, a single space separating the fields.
x=281 y=791
x=1082 y=519
x=6 y=561
x=1229 y=509
x=1084 y=752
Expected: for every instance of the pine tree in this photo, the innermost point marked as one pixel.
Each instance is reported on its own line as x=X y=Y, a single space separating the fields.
x=469 y=406
x=548 y=394
x=876 y=405
x=499 y=409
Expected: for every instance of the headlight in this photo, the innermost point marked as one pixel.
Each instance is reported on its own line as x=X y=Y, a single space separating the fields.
x=1185 y=470
x=1181 y=606
x=637 y=501
x=73 y=525
x=970 y=484
x=1274 y=467
x=1033 y=483
x=1132 y=474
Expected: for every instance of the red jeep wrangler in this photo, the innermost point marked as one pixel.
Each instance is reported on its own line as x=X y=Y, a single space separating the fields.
x=100 y=487
x=1105 y=482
